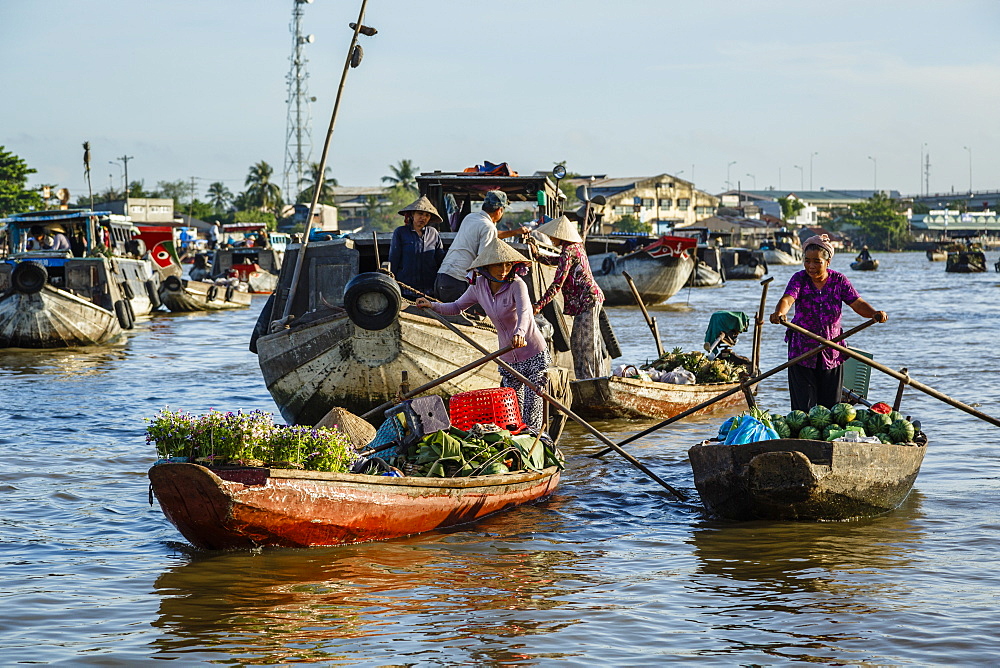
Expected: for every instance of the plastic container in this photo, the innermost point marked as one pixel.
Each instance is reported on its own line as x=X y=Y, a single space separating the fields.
x=493 y=405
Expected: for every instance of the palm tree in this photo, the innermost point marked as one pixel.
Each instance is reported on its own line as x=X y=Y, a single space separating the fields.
x=325 y=193
x=261 y=192
x=219 y=196
x=404 y=174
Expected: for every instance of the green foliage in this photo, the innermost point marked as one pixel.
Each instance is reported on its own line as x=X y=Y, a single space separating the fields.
x=219 y=197
x=629 y=223
x=309 y=185
x=179 y=191
x=261 y=192
x=404 y=174
x=256 y=216
x=14 y=196
x=880 y=222
x=381 y=213
x=790 y=207
x=201 y=210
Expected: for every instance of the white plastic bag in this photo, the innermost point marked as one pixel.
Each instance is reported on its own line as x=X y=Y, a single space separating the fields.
x=678 y=376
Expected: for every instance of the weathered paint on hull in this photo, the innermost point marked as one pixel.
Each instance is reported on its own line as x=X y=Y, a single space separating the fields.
x=194 y=297
x=245 y=508
x=656 y=279
x=614 y=397
x=54 y=318
x=796 y=479
x=332 y=362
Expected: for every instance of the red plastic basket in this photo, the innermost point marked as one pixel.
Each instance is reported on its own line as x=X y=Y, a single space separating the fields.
x=493 y=405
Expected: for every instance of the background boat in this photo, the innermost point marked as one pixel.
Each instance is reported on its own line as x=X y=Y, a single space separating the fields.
x=660 y=269
x=865 y=265
x=966 y=262
x=616 y=397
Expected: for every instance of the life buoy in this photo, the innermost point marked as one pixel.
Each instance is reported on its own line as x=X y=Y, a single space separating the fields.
x=372 y=300
x=229 y=293
x=121 y=312
x=173 y=283
x=607 y=265
x=131 y=313
x=154 y=294
x=29 y=277
x=212 y=293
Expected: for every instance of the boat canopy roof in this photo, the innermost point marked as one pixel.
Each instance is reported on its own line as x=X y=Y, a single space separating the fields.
x=518 y=188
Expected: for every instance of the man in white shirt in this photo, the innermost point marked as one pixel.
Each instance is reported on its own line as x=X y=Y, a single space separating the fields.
x=477 y=231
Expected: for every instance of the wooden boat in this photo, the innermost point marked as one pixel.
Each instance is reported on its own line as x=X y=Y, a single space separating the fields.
x=660 y=269
x=801 y=479
x=183 y=295
x=257 y=266
x=937 y=254
x=615 y=397
x=351 y=338
x=75 y=297
x=704 y=276
x=966 y=262
x=743 y=263
x=865 y=265
x=240 y=508
x=784 y=249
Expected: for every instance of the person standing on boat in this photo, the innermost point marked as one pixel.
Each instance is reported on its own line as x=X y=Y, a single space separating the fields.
x=416 y=251
x=818 y=293
x=497 y=288
x=864 y=255
x=213 y=236
x=477 y=231
x=582 y=299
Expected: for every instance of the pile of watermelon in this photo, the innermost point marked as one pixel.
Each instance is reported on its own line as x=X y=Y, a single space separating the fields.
x=828 y=424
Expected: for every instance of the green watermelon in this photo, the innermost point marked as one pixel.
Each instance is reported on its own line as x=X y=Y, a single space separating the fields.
x=901 y=431
x=810 y=433
x=896 y=415
x=861 y=415
x=885 y=438
x=878 y=424
x=819 y=417
x=856 y=423
x=796 y=420
x=781 y=427
x=843 y=413
x=829 y=429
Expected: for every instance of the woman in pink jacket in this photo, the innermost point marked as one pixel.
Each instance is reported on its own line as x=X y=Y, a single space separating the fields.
x=496 y=287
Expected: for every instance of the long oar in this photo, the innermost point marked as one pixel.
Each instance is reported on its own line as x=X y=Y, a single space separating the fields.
x=443 y=379
x=650 y=322
x=558 y=405
x=757 y=331
x=739 y=388
x=901 y=377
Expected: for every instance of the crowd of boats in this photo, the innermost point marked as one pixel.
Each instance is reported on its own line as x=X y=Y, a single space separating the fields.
x=337 y=334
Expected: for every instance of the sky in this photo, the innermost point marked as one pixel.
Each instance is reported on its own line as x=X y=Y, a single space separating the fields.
x=790 y=94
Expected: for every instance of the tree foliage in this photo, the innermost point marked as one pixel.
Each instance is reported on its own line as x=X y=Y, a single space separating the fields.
x=261 y=192
x=629 y=223
x=404 y=174
x=381 y=213
x=791 y=207
x=14 y=195
x=880 y=223
x=219 y=196
x=308 y=184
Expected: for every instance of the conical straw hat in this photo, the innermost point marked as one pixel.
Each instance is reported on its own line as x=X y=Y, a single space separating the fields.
x=561 y=228
x=497 y=253
x=360 y=432
x=423 y=204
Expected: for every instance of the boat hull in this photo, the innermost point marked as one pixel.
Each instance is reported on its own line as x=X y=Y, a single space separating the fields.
x=966 y=262
x=656 y=278
x=777 y=256
x=332 y=362
x=54 y=318
x=937 y=255
x=796 y=479
x=246 y=508
x=614 y=397
x=865 y=265
x=195 y=296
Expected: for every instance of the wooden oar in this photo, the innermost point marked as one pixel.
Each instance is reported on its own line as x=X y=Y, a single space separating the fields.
x=758 y=323
x=901 y=377
x=558 y=405
x=650 y=322
x=443 y=379
x=748 y=382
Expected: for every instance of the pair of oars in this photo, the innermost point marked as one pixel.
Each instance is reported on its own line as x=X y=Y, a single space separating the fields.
x=559 y=406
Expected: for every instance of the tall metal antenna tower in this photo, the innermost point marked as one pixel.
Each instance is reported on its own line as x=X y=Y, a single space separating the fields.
x=298 y=136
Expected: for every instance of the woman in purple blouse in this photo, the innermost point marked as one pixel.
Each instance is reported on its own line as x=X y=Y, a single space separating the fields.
x=497 y=288
x=818 y=293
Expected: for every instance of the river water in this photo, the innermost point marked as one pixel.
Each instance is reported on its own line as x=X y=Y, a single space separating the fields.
x=609 y=570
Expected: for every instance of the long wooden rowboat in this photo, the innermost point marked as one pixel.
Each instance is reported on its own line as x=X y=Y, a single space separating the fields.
x=615 y=397
x=240 y=508
x=797 y=479
x=54 y=318
x=180 y=296
x=865 y=265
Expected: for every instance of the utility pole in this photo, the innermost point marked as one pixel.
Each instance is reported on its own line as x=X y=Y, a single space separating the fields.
x=125 y=159
x=927 y=173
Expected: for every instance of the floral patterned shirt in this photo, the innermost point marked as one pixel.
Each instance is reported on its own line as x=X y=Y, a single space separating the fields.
x=573 y=276
x=818 y=310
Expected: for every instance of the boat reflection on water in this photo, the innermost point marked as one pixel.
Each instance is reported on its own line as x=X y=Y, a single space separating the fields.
x=68 y=364
x=782 y=579
x=401 y=597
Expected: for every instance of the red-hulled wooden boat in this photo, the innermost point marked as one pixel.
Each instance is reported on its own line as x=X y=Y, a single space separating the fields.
x=239 y=508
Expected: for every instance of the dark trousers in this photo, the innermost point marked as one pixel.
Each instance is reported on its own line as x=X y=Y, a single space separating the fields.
x=448 y=288
x=810 y=387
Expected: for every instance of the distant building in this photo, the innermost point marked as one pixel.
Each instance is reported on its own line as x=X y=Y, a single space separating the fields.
x=819 y=204
x=148 y=210
x=663 y=200
x=354 y=202
x=733 y=230
x=947 y=223
x=324 y=217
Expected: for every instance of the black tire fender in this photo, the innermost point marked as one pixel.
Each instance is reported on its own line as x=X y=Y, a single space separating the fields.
x=173 y=283
x=372 y=300
x=154 y=294
x=229 y=293
x=29 y=277
x=122 y=313
x=608 y=334
x=560 y=331
x=128 y=291
x=607 y=265
x=213 y=292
